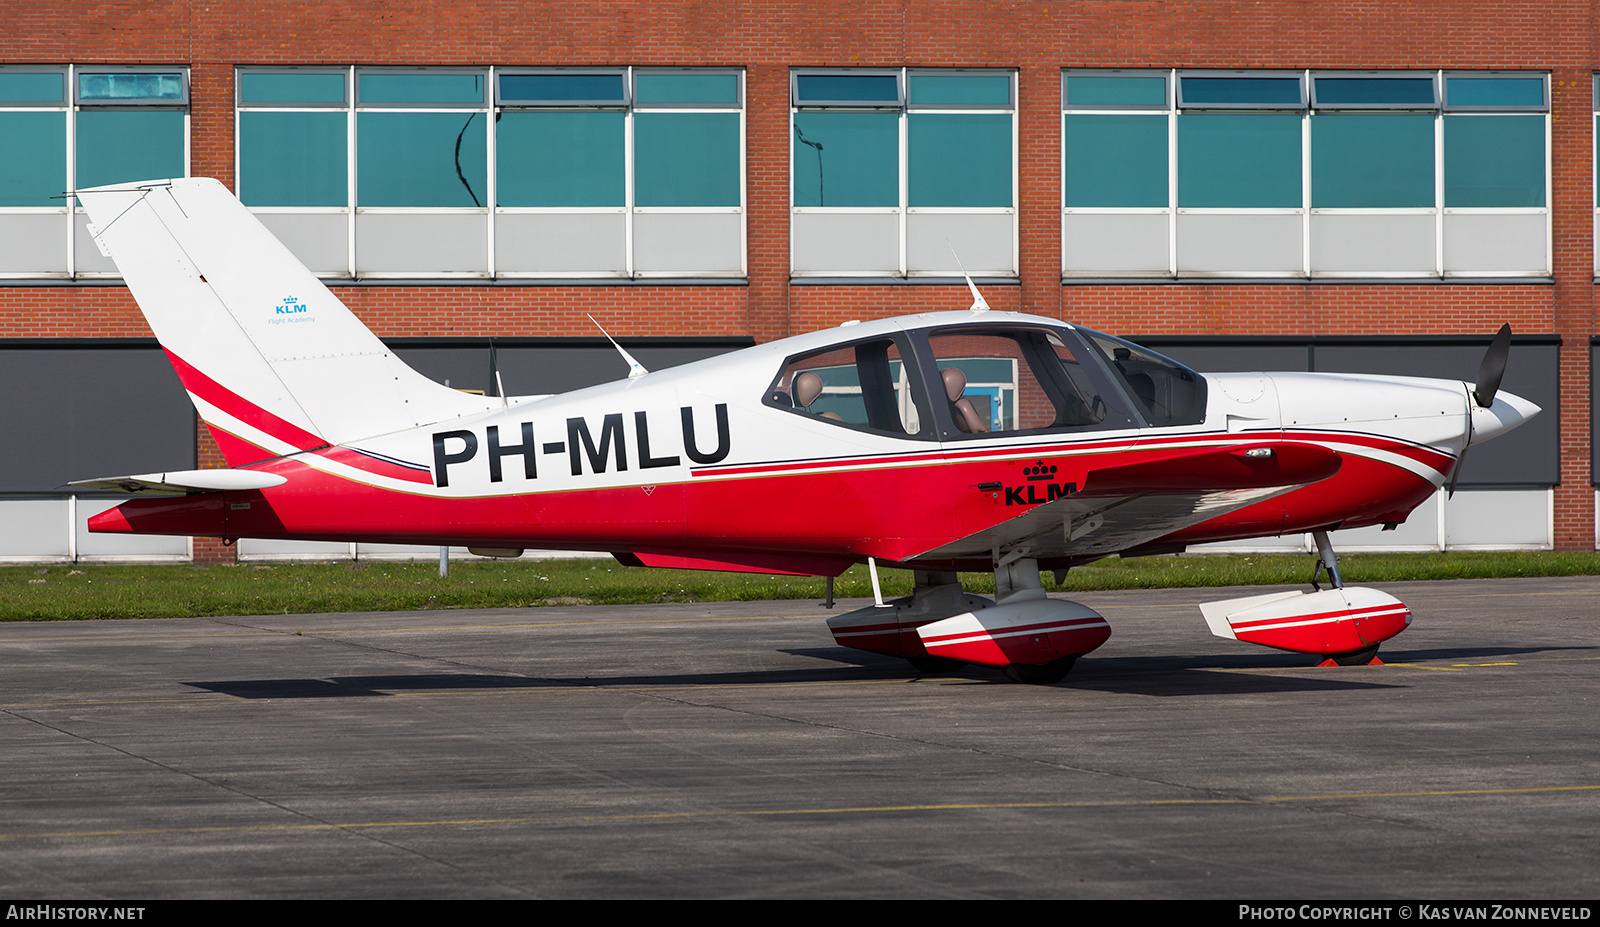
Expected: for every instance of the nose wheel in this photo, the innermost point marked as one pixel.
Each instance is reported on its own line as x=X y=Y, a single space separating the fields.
x=1367 y=656
x=1042 y=674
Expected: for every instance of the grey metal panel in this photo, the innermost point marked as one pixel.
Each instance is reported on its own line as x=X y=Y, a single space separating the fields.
x=33 y=244
x=1230 y=243
x=1419 y=532
x=421 y=243
x=76 y=413
x=321 y=241
x=123 y=546
x=1111 y=244
x=259 y=549
x=576 y=243
x=1594 y=413
x=85 y=255
x=688 y=243
x=32 y=528
x=1374 y=244
x=1531 y=454
x=1233 y=358
x=1499 y=519
x=465 y=368
x=1489 y=244
x=845 y=242
x=531 y=370
x=984 y=241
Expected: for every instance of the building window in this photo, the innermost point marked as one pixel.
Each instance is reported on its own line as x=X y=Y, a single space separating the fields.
x=1323 y=174
x=903 y=173
x=440 y=172
x=79 y=126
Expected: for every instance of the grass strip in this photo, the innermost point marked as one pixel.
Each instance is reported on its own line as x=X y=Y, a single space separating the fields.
x=78 y=591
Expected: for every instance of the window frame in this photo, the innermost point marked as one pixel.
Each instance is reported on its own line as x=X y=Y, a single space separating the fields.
x=903 y=212
x=493 y=105
x=79 y=254
x=1317 y=225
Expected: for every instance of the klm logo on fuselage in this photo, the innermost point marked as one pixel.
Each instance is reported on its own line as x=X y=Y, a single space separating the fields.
x=1041 y=486
x=588 y=447
x=290 y=306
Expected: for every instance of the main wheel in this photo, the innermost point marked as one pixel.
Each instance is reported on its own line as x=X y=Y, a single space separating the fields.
x=1041 y=674
x=934 y=666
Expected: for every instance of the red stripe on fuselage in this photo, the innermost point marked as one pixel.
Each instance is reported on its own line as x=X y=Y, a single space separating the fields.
x=240 y=408
x=893 y=513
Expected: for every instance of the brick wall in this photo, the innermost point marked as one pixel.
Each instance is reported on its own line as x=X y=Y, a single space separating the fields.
x=768 y=38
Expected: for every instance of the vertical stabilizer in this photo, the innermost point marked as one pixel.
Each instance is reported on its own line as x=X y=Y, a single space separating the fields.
x=268 y=354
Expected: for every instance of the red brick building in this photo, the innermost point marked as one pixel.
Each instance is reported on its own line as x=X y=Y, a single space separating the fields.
x=1243 y=185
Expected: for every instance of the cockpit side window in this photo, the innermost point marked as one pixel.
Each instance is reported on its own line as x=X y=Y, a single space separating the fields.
x=1020 y=380
x=868 y=386
x=1167 y=392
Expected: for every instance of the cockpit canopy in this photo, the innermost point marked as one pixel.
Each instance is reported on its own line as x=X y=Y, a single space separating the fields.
x=949 y=382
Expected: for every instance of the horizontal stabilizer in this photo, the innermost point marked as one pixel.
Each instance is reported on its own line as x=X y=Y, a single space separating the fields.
x=184 y=482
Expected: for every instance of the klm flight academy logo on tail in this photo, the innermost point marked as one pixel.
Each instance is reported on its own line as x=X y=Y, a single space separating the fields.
x=290 y=309
x=1037 y=475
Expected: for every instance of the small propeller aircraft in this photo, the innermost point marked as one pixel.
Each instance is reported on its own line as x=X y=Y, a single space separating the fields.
x=954 y=441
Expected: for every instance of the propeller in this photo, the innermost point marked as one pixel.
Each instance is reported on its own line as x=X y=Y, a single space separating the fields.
x=1490 y=370
x=1493 y=367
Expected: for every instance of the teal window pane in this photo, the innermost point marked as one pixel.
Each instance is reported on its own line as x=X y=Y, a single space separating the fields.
x=421 y=159
x=116 y=146
x=292 y=159
x=959 y=159
x=1115 y=160
x=33 y=158
x=1116 y=91
x=130 y=87
x=1494 y=91
x=708 y=89
x=420 y=88
x=290 y=87
x=960 y=89
x=1396 y=91
x=881 y=89
x=1371 y=160
x=26 y=87
x=1494 y=160
x=686 y=159
x=1261 y=91
x=561 y=87
x=846 y=159
x=560 y=158
x=1239 y=160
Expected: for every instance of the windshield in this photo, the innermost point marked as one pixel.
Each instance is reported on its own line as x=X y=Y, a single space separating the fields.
x=1166 y=392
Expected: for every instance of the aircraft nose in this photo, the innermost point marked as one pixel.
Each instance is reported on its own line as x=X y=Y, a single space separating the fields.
x=1507 y=412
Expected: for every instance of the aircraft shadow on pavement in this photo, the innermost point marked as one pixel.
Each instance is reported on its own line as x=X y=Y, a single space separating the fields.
x=1175 y=675
x=360 y=686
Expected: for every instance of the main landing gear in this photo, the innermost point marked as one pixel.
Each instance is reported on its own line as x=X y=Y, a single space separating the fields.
x=940 y=627
x=1344 y=624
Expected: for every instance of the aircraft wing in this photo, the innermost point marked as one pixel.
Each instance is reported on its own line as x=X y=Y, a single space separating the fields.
x=185 y=482
x=1124 y=507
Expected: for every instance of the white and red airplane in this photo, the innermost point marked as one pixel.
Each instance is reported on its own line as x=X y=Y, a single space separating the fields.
x=971 y=440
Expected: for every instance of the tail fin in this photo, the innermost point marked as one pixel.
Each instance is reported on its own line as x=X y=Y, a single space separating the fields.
x=273 y=361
